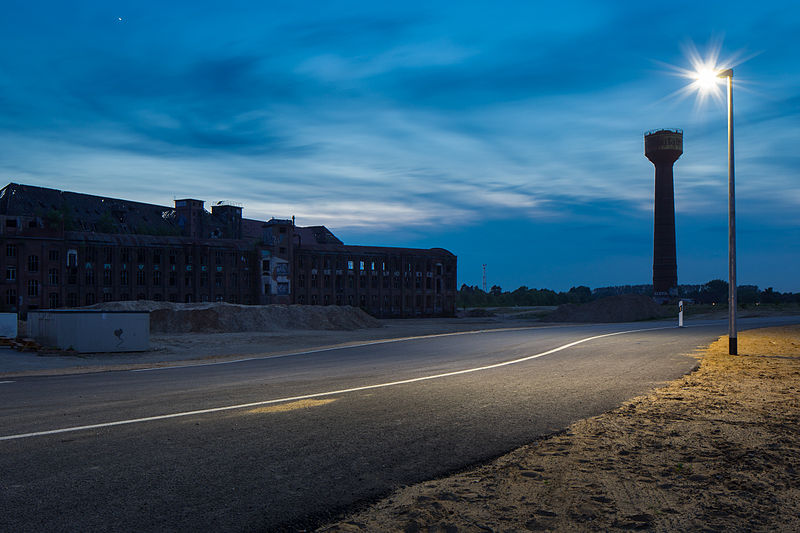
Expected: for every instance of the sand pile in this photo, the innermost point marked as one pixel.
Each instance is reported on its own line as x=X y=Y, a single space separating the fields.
x=168 y=317
x=622 y=308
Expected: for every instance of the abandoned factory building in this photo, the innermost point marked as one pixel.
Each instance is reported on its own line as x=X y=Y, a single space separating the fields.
x=66 y=249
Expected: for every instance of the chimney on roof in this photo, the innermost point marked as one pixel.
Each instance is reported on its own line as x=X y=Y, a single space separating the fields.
x=190 y=217
x=231 y=216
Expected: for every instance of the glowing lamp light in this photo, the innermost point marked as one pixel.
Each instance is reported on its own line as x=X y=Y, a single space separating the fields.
x=706 y=78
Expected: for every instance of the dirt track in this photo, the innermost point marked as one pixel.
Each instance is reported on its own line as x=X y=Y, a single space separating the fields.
x=718 y=450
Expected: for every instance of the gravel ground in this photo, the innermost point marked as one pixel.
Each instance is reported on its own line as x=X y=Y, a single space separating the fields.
x=717 y=450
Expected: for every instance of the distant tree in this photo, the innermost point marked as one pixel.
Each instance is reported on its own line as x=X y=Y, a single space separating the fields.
x=496 y=290
x=579 y=295
x=715 y=291
x=769 y=296
x=747 y=294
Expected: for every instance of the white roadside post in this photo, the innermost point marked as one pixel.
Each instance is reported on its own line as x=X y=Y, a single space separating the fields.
x=680 y=314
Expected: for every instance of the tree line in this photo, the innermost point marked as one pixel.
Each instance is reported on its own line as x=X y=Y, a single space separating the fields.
x=713 y=292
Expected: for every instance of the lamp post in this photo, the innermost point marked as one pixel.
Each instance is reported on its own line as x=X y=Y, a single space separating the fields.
x=706 y=76
x=732 y=337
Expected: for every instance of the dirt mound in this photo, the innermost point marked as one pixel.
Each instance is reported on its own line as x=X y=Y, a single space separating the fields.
x=168 y=317
x=622 y=308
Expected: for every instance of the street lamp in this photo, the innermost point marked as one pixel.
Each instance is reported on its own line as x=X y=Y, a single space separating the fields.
x=706 y=77
x=732 y=344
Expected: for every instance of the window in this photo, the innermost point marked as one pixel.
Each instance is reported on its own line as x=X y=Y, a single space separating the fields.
x=218 y=257
x=52 y=300
x=349 y=265
x=89 y=277
x=218 y=280
x=265 y=267
x=156 y=277
x=33 y=287
x=108 y=254
x=53 y=255
x=72 y=258
x=11 y=273
x=33 y=263
x=125 y=255
x=283 y=288
x=107 y=276
x=301 y=280
x=140 y=277
x=11 y=250
x=313 y=281
x=361 y=265
x=157 y=257
x=11 y=222
x=11 y=296
x=140 y=255
x=203 y=279
x=234 y=280
x=89 y=298
x=107 y=297
x=172 y=279
x=123 y=277
x=52 y=276
x=172 y=258
x=72 y=300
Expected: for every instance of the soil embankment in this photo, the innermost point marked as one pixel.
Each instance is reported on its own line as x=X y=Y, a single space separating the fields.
x=717 y=450
x=218 y=317
x=622 y=308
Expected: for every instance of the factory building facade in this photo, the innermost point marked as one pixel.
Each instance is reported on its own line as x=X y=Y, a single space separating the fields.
x=63 y=249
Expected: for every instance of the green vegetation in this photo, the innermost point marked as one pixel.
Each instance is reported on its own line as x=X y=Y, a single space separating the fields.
x=713 y=293
x=61 y=218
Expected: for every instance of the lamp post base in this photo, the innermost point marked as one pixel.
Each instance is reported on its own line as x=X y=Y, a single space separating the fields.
x=732 y=348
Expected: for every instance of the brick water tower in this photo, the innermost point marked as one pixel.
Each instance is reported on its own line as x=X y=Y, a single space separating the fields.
x=663 y=148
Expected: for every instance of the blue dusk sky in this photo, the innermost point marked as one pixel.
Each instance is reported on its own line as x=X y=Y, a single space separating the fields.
x=510 y=133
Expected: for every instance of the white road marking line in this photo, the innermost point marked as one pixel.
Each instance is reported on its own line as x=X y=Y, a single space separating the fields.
x=319 y=394
x=330 y=349
x=1 y=382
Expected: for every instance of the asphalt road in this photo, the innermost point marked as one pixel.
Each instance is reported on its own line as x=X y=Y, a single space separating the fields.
x=215 y=452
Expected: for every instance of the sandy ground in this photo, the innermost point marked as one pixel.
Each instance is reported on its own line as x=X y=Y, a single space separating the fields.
x=717 y=450
x=197 y=348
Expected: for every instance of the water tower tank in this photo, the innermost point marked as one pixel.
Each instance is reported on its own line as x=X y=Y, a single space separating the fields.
x=663 y=148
